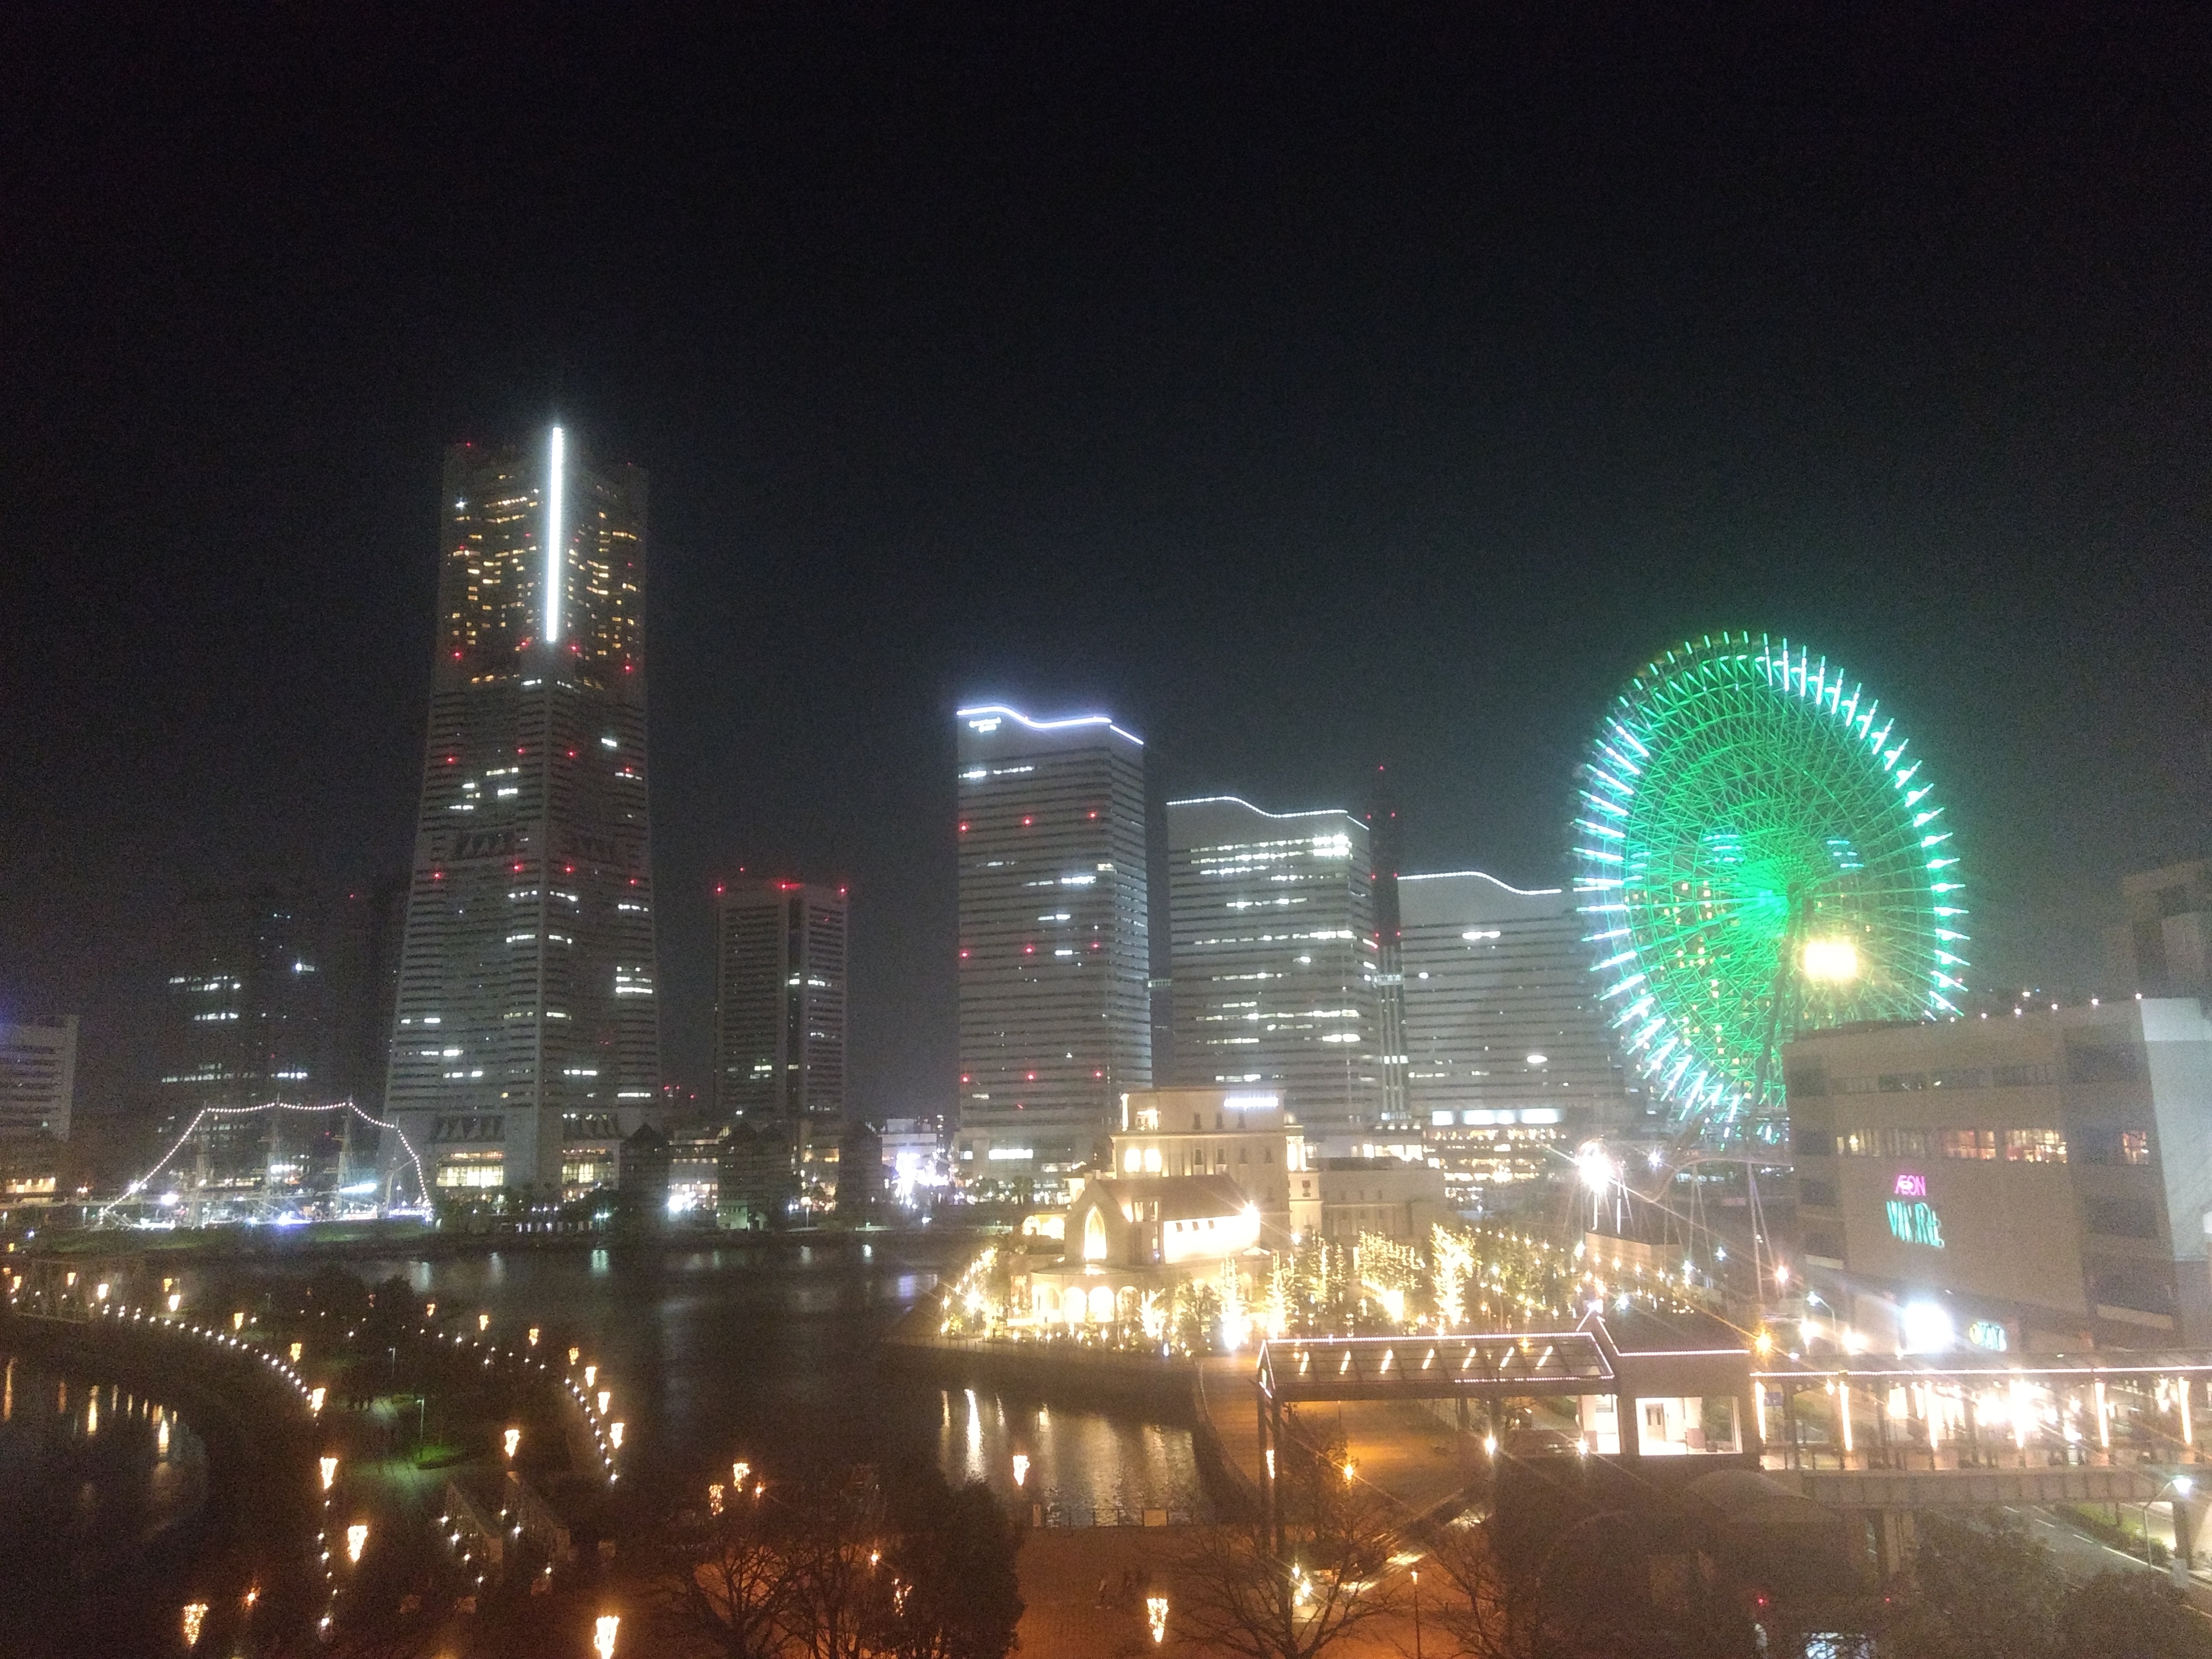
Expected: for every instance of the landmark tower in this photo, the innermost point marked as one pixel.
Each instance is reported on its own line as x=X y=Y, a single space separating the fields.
x=525 y=1040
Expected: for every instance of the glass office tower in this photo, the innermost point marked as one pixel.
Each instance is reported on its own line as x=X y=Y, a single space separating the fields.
x=1273 y=931
x=1510 y=1062
x=780 y=1005
x=525 y=1040
x=1055 y=1008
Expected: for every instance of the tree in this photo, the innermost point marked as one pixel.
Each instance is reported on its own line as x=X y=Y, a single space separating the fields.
x=1239 y=1599
x=734 y=1583
x=955 y=1554
x=2132 y=1615
x=1986 y=1590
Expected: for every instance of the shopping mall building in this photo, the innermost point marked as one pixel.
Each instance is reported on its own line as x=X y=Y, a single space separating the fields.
x=2037 y=1182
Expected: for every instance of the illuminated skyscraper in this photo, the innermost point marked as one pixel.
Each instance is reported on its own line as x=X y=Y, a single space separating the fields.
x=780 y=1005
x=526 y=1039
x=1386 y=856
x=246 y=1028
x=1272 y=925
x=1055 y=1009
x=1511 y=1062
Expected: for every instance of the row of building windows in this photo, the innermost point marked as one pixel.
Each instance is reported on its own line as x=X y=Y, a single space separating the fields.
x=2013 y=1145
x=1811 y=1083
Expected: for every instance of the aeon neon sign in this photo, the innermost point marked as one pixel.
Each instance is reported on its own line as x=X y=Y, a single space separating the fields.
x=1914 y=1223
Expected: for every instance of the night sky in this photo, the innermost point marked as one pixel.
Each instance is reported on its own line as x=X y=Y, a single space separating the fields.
x=1309 y=392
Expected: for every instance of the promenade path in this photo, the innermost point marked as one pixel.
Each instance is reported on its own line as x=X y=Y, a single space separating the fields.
x=1415 y=1456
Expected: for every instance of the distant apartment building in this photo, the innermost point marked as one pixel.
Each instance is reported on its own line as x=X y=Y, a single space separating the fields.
x=1275 y=956
x=38 y=1086
x=780 y=1003
x=1509 y=1062
x=1053 y=960
x=2040 y=1182
x=526 y=1042
x=2164 y=948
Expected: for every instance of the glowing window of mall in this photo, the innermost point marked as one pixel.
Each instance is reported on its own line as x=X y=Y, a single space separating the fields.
x=2034 y=1146
x=586 y=1171
x=473 y=1169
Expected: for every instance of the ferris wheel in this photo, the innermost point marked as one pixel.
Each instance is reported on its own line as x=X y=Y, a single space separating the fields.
x=1758 y=853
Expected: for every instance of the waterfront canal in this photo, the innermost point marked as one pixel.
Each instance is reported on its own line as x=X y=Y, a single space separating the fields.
x=104 y=1493
x=768 y=1351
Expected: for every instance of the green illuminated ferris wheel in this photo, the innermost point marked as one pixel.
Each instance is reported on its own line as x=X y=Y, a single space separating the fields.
x=1758 y=855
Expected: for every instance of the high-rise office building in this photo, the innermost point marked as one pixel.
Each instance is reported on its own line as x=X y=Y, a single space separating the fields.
x=1386 y=858
x=1055 y=947
x=1273 y=934
x=780 y=1005
x=38 y=1086
x=37 y=1076
x=526 y=1040
x=1511 y=1065
x=2163 y=949
x=247 y=1030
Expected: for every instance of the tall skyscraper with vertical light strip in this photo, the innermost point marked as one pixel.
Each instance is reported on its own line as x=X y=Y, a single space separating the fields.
x=1055 y=1017
x=526 y=1038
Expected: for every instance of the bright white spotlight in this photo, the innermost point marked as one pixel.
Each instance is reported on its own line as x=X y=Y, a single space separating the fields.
x=1928 y=1329
x=1829 y=961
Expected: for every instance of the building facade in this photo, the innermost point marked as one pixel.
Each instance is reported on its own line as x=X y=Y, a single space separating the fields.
x=1054 y=945
x=2039 y=1183
x=1272 y=936
x=38 y=1089
x=2164 y=948
x=246 y=1032
x=1240 y=1135
x=780 y=1003
x=1511 y=1065
x=1386 y=858
x=526 y=1044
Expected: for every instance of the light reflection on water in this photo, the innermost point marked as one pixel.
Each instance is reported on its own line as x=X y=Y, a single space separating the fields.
x=88 y=1470
x=768 y=1353
x=1080 y=1462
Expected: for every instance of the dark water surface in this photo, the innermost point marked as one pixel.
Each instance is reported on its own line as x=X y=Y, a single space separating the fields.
x=767 y=1352
x=98 y=1485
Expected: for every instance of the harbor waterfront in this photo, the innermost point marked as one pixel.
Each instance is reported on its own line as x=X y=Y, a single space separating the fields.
x=774 y=1351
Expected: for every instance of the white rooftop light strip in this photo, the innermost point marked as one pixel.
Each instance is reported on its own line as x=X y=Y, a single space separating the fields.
x=1238 y=800
x=555 y=468
x=987 y=711
x=1448 y=875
